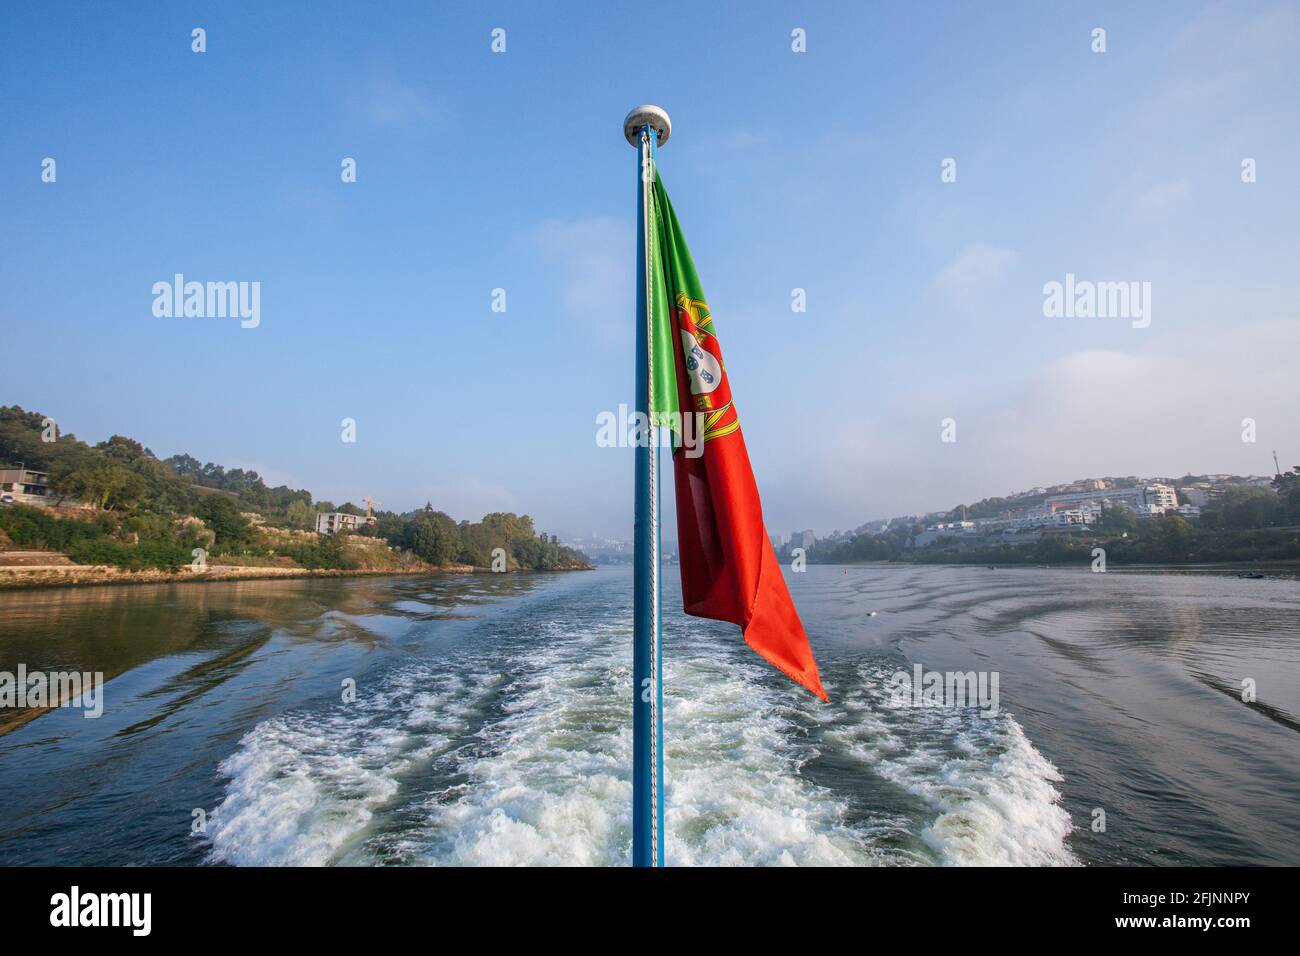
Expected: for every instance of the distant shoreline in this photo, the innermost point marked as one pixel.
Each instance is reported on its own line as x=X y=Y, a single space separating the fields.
x=1235 y=568
x=89 y=575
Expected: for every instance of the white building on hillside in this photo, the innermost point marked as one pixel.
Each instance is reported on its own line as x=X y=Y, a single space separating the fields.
x=948 y=529
x=1143 y=499
x=332 y=522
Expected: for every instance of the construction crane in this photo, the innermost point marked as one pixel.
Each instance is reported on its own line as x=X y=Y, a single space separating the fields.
x=370 y=504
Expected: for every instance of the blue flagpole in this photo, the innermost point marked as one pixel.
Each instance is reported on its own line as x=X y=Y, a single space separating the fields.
x=645 y=128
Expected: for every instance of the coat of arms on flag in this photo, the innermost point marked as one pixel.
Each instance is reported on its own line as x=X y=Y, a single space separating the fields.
x=728 y=567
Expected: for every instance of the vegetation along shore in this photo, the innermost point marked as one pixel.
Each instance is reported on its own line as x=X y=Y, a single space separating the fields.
x=116 y=513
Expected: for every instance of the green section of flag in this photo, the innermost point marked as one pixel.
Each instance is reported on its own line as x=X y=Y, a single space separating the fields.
x=671 y=273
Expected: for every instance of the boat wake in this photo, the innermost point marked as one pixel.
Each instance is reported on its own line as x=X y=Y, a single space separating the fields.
x=519 y=755
x=989 y=794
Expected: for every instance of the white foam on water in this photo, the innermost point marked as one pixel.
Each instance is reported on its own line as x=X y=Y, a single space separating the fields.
x=302 y=787
x=548 y=785
x=736 y=796
x=555 y=789
x=521 y=756
x=991 y=793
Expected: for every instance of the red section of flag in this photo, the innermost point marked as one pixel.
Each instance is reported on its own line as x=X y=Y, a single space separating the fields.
x=728 y=567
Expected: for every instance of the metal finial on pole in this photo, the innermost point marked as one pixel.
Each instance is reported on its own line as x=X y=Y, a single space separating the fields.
x=646 y=127
x=647 y=114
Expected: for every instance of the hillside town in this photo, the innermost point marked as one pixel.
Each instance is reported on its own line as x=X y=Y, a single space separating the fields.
x=1073 y=509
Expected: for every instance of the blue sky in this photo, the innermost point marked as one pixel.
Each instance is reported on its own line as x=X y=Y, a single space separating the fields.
x=818 y=170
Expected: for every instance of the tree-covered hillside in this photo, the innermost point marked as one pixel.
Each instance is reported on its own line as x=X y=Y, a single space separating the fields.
x=147 y=511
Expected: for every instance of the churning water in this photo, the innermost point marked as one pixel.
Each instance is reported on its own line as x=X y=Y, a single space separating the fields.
x=491 y=723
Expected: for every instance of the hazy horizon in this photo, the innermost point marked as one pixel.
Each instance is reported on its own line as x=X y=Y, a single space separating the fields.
x=668 y=532
x=821 y=171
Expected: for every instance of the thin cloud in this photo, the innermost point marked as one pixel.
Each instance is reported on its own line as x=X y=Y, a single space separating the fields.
x=1158 y=201
x=978 y=269
x=388 y=103
x=593 y=259
x=1086 y=413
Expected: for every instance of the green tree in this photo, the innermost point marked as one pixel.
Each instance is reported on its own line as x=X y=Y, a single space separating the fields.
x=433 y=536
x=123 y=449
x=391 y=527
x=300 y=515
x=1287 y=486
x=1118 y=519
x=1175 y=536
x=222 y=515
x=1244 y=506
x=101 y=482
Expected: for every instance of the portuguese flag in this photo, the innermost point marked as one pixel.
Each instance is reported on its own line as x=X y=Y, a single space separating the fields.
x=729 y=569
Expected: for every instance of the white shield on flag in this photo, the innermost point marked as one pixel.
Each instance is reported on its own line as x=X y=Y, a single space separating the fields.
x=701 y=366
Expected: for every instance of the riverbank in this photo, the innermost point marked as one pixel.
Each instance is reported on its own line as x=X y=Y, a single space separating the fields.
x=1235 y=569
x=155 y=544
x=72 y=575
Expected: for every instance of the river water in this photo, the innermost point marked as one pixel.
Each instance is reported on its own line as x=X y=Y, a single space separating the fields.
x=491 y=723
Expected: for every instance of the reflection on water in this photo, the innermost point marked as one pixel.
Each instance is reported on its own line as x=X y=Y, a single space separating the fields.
x=491 y=723
x=112 y=629
x=1132 y=685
